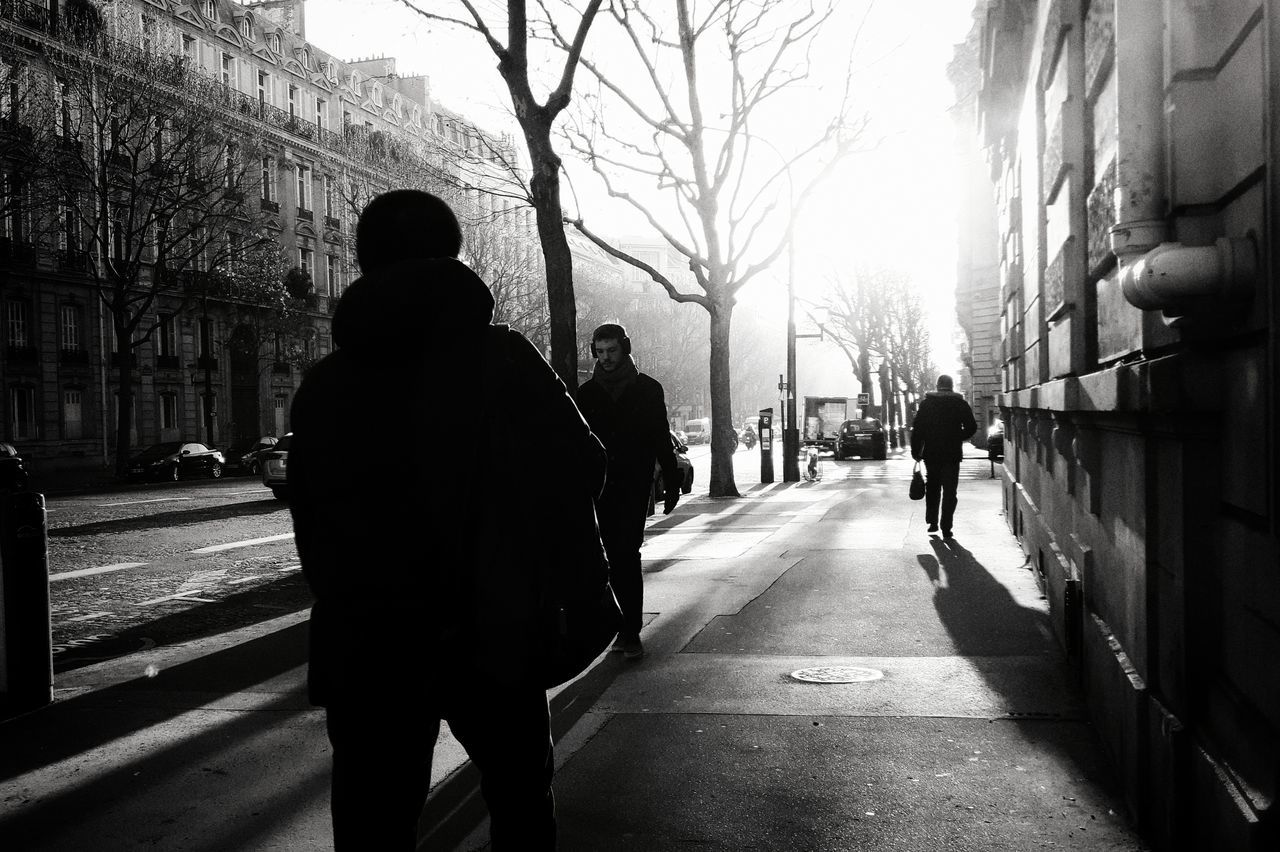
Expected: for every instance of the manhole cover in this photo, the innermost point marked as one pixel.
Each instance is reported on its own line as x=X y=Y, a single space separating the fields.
x=837 y=674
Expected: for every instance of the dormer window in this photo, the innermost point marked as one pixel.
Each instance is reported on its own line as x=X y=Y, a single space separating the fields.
x=306 y=58
x=273 y=42
x=209 y=9
x=246 y=27
x=376 y=95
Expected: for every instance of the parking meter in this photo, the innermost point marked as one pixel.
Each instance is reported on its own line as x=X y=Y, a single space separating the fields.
x=766 y=444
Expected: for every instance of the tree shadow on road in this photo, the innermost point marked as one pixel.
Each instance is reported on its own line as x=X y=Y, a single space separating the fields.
x=169 y=519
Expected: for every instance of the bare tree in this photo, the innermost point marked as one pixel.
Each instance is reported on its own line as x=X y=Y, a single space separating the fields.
x=536 y=120
x=877 y=314
x=704 y=78
x=146 y=162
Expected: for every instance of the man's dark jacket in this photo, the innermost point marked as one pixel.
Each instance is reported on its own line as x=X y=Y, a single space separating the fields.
x=395 y=497
x=943 y=422
x=634 y=432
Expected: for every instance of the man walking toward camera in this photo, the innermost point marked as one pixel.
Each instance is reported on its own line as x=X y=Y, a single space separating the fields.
x=627 y=412
x=942 y=424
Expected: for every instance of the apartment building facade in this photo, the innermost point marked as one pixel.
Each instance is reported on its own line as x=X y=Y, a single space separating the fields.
x=320 y=136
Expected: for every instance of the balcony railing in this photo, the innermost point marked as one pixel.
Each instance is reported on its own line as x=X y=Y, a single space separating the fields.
x=280 y=368
x=306 y=215
x=269 y=206
x=30 y=15
x=22 y=354
x=207 y=362
x=74 y=357
x=73 y=260
x=168 y=362
x=332 y=223
x=124 y=359
x=19 y=252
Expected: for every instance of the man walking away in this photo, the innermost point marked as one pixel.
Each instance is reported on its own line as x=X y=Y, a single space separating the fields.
x=627 y=412
x=942 y=424
x=422 y=605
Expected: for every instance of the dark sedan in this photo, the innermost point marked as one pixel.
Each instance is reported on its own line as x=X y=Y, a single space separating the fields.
x=865 y=438
x=174 y=460
x=658 y=493
x=246 y=456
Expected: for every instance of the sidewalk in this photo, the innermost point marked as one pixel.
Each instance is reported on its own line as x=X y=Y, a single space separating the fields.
x=961 y=730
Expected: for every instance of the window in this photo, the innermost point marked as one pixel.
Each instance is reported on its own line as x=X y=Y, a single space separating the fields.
x=69 y=230
x=304 y=187
x=209 y=9
x=16 y=322
x=268 y=179
x=321 y=114
x=196 y=248
x=231 y=164
x=293 y=101
x=72 y=414
x=168 y=336
x=376 y=94
x=228 y=70
x=22 y=408
x=63 y=124
x=331 y=276
x=234 y=243
x=69 y=321
x=305 y=261
x=264 y=88
x=205 y=343
x=10 y=92
x=209 y=402
x=346 y=119
x=273 y=42
x=281 y=407
x=189 y=50
x=246 y=27
x=148 y=34
x=328 y=196
x=168 y=411
x=119 y=233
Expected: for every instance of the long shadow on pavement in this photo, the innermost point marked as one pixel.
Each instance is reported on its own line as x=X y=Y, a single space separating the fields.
x=170 y=519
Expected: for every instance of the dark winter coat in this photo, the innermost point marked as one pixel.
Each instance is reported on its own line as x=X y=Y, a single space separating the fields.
x=390 y=508
x=943 y=422
x=634 y=432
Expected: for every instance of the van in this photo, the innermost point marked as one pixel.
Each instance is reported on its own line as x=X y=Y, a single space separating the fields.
x=698 y=431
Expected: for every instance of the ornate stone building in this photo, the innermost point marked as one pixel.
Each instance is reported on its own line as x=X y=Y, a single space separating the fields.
x=1133 y=157
x=312 y=138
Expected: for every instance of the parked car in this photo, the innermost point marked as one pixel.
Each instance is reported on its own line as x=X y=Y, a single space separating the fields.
x=245 y=456
x=865 y=438
x=995 y=440
x=657 y=493
x=13 y=476
x=174 y=460
x=274 y=464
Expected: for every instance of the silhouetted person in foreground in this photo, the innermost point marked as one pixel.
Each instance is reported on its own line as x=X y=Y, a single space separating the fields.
x=627 y=412
x=423 y=608
x=943 y=422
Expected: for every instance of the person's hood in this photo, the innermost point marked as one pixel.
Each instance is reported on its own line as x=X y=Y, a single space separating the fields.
x=414 y=303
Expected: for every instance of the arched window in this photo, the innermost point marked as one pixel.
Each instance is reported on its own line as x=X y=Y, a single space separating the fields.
x=273 y=42
x=209 y=9
x=246 y=27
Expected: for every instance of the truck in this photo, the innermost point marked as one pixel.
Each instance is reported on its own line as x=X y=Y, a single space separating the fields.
x=822 y=418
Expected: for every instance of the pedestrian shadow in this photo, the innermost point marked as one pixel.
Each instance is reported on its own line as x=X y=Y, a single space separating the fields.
x=977 y=610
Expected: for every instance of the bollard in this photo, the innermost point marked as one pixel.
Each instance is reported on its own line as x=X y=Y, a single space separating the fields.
x=26 y=643
x=765 y=429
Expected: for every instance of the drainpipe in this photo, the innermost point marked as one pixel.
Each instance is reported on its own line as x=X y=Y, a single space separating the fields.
x=1154 y=273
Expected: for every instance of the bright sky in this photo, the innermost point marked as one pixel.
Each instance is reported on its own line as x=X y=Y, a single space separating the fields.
x=895 y=205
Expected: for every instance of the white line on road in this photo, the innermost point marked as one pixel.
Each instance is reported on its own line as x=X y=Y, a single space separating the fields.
x=297 y=566
x=244 y=579
x=137 y=502
x=186 y=596
x=241 y=493
x=214 y=548
x=87 y=617
x=89 y=572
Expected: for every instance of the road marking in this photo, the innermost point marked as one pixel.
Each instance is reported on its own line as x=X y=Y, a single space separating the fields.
x=297 y=567
x=87 y=617
x=186 y=596
x=245 y=579
x=214 y=548
x=241 y=493
x=138 y=502
x=89 y=572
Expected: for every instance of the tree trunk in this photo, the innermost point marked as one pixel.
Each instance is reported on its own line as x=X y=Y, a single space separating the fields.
x=562 y=308
x=722 y=443
x=124 y=410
